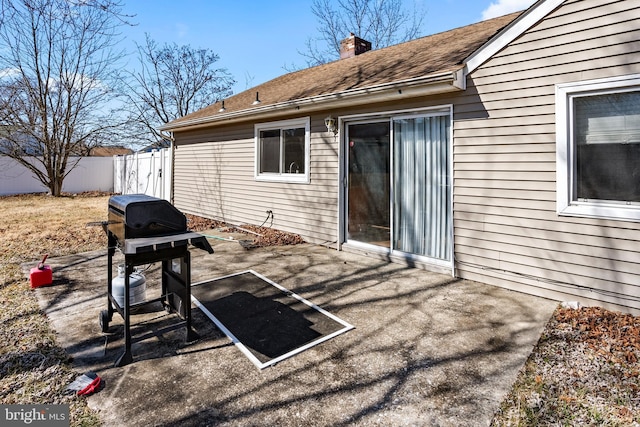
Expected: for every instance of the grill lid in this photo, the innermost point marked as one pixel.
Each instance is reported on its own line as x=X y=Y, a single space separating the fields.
x=139 y=215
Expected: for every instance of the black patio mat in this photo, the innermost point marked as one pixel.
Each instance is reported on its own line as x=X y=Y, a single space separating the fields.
x=265 y=321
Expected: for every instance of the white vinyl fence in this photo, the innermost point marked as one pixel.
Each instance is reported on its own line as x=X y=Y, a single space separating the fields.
x=91 y=174
x=144 y=173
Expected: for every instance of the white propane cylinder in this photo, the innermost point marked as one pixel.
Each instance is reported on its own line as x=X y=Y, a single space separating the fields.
x=137 y=287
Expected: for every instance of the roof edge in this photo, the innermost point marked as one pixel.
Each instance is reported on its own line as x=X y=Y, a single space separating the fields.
x=515 y=29
x=432 y=84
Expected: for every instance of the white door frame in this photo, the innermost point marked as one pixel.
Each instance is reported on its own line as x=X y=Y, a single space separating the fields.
x=343 y=121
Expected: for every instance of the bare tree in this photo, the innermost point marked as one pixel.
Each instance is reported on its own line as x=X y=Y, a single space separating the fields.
x=173 y=81
x=55 y=81
x=381 y=22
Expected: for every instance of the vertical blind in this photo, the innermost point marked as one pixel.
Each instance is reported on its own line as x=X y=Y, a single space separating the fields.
x=422 y=192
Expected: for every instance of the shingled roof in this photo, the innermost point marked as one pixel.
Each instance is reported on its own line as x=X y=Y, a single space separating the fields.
x=430 y=59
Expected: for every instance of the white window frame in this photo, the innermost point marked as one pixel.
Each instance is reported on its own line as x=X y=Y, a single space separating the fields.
x=567 y=203
x=284 y=177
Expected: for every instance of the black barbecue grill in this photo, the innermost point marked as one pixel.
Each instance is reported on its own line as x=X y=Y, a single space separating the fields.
x=145 y=230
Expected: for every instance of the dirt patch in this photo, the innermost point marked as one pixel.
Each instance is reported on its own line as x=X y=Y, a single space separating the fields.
x=257 y=236
x=198 y=223
x=264 y=236
x=620 y=333
x=584 y=371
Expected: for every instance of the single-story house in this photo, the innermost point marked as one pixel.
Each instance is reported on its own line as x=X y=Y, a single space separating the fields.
x=506 y=152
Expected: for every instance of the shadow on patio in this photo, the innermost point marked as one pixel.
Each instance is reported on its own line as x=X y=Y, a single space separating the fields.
x=427 y=349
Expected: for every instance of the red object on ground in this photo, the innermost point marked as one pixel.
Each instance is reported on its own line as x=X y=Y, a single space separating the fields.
x=93 y=386
x=42 y=275
x=86 y=384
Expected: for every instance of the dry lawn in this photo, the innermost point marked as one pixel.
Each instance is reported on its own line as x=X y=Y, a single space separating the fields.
x=33 y=225
x=584 y=370
x=33 y=368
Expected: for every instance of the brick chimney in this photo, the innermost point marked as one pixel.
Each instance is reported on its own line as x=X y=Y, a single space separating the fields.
x=352 y=46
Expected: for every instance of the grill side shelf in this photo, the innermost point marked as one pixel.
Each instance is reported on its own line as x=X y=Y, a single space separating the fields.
x=151 y=244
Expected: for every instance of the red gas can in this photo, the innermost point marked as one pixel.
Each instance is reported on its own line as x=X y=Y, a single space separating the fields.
x=42 y=275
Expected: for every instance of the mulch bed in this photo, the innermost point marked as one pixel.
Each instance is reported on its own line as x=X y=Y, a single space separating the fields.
x=583 y=371
x=613 y=336
x=258 y=236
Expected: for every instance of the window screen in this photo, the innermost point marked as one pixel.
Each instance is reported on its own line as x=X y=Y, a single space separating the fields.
x=282 y=151
x=270 y=151
x=293 y=141
x=607 y=146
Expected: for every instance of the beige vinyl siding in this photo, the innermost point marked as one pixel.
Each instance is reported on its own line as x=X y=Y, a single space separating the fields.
x=506 y=228
x=214 y=178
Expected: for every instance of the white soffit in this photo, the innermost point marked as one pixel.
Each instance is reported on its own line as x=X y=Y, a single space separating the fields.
x=528 y=19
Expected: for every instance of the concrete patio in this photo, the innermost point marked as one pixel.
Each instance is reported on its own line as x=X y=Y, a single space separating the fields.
x=427 y=349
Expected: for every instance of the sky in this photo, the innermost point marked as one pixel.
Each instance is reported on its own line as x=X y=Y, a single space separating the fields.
x=257 y=40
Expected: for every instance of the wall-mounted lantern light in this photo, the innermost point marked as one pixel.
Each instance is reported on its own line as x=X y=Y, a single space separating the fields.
x=331 y=125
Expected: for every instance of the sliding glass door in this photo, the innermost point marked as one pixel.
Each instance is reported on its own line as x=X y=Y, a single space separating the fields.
x=398 y=195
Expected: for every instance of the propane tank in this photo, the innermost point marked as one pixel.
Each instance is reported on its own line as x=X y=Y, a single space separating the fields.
x=137 y=287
